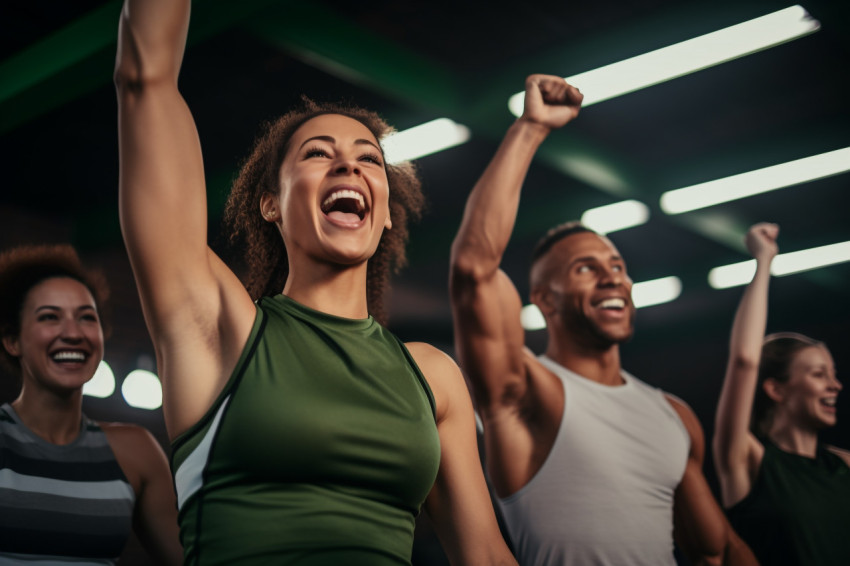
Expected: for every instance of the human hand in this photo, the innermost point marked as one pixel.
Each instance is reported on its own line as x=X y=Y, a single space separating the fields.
x=761 y=241
x=550 y=101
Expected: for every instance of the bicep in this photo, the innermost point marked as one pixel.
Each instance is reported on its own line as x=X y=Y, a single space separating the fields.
x=489 y=337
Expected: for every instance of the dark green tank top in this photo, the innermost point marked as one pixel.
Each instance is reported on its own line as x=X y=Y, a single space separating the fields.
x=319 y=451
x=798 y=511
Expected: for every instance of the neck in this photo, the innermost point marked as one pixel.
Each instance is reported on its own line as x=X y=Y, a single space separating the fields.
x=599 y=365
x=329 y=288
x=54 y=418
x=793 y=439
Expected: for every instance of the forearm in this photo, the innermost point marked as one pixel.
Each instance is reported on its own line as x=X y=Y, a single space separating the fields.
x=492 y=206
x=751 y=317
x=736 y=397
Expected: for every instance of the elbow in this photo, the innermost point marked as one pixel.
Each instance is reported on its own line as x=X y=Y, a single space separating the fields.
x=742 y=364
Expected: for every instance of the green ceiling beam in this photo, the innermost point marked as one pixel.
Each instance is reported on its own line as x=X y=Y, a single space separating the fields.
x=79 y=58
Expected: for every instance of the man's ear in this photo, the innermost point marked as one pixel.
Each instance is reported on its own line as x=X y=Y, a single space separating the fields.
x=542 y=299
x=12 y=345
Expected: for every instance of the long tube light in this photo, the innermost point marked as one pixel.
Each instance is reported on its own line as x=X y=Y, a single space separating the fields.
x=423 y=140
x=617 y=216
x=741 y=273
x=687 y=57
x=756 y=182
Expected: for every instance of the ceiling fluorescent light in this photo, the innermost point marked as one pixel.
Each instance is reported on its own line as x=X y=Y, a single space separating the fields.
x=755 y=182
x=742 y=273
x=687 y=57
x=656 y=291
x=424 y=139
x=617 y=216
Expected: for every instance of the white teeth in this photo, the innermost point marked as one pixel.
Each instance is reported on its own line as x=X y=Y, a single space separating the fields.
x=829 y=402
x=612 y=304
x=69 y=356
x=344 y=193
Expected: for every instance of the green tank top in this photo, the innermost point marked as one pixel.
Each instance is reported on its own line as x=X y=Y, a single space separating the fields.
x=319 y=451
x=798 y=510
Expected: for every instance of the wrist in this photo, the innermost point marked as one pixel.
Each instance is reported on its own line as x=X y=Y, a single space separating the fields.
x=531 y=130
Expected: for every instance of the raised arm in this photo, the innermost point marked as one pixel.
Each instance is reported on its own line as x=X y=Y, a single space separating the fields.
x=485 y=303
x=737 y=453
x=196 y=310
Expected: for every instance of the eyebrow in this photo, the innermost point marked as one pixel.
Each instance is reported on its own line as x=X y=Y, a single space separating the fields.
x=331 y=139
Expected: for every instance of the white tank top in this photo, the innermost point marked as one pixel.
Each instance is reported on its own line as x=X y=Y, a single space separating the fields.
x=604 y=495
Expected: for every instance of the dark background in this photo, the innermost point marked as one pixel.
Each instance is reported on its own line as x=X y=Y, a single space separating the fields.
x=415 y=61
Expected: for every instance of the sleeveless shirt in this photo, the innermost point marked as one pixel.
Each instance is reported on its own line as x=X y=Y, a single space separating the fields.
x=68 y=504
x=604 y=495
x=320 y=449
x=798 y=510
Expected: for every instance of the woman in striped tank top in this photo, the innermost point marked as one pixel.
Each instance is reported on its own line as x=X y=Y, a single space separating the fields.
x=71 y=489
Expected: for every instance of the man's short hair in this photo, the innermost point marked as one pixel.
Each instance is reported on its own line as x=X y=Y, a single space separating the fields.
x=555 y=235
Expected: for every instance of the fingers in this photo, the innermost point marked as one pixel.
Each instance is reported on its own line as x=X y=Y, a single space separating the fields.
x=552 y=90
x=765 y=230
x=761 y=240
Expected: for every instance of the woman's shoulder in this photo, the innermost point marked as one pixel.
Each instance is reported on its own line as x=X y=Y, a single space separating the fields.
x=440 y=370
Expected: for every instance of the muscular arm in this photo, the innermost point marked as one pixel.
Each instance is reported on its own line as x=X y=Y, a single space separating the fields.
x=699 y=526
x=486 y=306
x=195 y=308
x=737 y=453
x=459 y=504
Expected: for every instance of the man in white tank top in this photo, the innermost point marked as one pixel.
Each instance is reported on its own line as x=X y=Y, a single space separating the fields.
x=590 y=465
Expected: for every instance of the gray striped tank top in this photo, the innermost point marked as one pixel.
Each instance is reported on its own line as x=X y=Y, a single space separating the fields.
x=63 y=505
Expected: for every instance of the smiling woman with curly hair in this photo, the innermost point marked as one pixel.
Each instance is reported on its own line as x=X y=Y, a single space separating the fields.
x=71 y=489
x=303 y=431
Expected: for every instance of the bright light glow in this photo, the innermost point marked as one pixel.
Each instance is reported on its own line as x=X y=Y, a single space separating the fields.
x=756 y=182
x=102 y=384
x=617 y=216
x=531 y=318
x=687 y=57
x=423 y=139
x=656 y=291
x=732 y=275
x=784 y=264
x=141 y=389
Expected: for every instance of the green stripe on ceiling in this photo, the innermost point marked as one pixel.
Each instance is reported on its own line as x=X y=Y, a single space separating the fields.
x=80 y=58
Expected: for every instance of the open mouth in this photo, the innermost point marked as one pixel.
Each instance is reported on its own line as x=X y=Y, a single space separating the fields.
x=345 y=205
x=829 y=402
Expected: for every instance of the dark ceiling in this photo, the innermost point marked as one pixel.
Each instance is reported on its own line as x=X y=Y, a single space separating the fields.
x=414 y=61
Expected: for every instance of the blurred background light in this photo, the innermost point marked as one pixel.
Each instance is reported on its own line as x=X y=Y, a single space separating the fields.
x=102 y=385
x=142 y=389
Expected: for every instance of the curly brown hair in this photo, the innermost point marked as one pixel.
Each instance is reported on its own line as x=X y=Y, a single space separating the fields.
x=24 y=267
x=262 y=248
